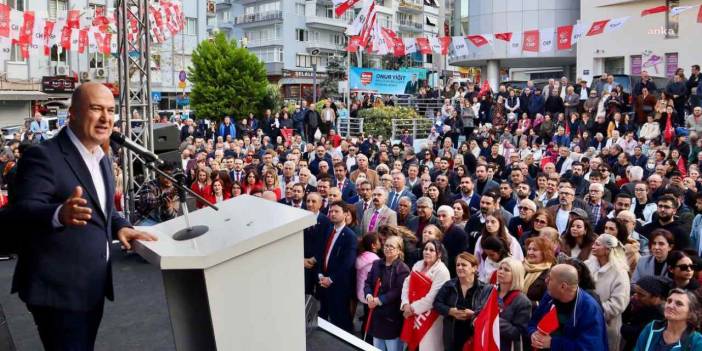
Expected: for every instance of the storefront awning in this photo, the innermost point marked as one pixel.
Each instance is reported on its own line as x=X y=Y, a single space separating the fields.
x=22 y=95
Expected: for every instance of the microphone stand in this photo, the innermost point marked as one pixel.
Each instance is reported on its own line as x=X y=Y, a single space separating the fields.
x=189 y=232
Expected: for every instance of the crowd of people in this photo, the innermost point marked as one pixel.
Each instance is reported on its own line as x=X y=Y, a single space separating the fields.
x=583 y=200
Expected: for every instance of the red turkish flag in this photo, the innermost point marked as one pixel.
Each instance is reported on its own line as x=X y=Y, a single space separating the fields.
x=66 y=38
x=82 y=40
x=597 y=27
x=73 y=19
x=477 y=40
x=504 y=36
x=27 y=28
x=354 y=43
x=564 y=35
x=652 y=10
x=4 y=20
x=549 y=322
x=423 y=44
x=487 y=326
x=530 y=41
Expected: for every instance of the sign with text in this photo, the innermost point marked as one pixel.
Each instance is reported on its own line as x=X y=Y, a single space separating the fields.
x=58 y=85
x=383 y=81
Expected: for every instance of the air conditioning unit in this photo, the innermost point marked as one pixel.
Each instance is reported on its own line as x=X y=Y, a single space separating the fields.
x=100 y=73
x=84 y=76
x=61 y=70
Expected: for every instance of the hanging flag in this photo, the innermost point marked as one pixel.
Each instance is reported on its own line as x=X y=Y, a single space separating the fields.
x=699 y=15
x=549 y=322
x=410 y=45
x=379 y=43
x=654 y=10
x=16 y=22
x=38 y=30
x=597 y=27
x=368 y=26
x=48 y=29
x=481 y=39
x=616 y=24
x=57 y=32
x=73 y=20
x=75 y=39
x=565 y=37
x=507 y=36
x=66 y=38
x=460 y=47
x=675 y=11
x=340 y=6
x=82 y=40
x=4 y=20
x=357 y=24
x=515 y=44
x=439 y=45
x=531 y=41
x=353 y=44
x=546 y=36
x=444 y=42
x=27 y=28
x=578 y=32
x=487 y=326
x=423 y=45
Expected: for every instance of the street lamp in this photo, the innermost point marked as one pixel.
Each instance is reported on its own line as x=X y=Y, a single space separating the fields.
x=314 y=52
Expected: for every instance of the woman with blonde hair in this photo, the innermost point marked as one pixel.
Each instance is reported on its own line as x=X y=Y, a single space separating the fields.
x=610 y=272
x=270 y=182
x=515 y=307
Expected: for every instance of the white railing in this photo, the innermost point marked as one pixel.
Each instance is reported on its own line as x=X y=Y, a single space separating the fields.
x=348 y=126
x=419 y=128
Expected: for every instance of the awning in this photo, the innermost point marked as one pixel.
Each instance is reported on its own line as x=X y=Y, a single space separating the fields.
x=297 y=81
x=22 y=95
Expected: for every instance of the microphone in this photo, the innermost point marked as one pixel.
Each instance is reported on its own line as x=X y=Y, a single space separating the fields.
x=147 y=155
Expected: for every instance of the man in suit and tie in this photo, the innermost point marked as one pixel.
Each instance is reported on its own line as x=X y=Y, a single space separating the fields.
x=379 y=213
x=335 y=270
x=347 y=188
x=412 y=86
x=237 y=174
x=398 y=191
x=298 y=196
x=64 y=192
x=323 y=186
x=364 y=198
x=467 y=194
x=313 y=241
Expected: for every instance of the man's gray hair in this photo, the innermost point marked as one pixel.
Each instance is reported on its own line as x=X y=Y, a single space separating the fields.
x=425 y=201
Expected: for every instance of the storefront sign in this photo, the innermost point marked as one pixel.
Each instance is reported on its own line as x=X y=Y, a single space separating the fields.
x=58 y=85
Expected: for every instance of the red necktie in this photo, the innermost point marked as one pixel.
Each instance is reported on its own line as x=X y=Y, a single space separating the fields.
x=330 y=240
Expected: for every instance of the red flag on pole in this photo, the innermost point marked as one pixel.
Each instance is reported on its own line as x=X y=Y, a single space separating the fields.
x=66 y=37
x=4 y=20
x=48 y=29
x=597 y=27
x=484 y=89
x=73 y=20
x=82 y=40
x=342 y=6
x=487 y=326
x=504 y=36
x=530 y=41
x=423 y=44
x=653 y=10
x=565 y=37
x=27 y=28
x=354 y=43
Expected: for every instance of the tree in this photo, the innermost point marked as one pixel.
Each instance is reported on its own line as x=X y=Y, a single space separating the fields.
x=227 y=80
x=336 y=72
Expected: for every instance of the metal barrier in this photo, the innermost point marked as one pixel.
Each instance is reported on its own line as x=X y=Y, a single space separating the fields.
x=348 y=126
x=419 y=128
x=424 y=106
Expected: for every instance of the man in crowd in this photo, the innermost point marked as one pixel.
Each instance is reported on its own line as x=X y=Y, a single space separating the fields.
x=313 y=242
x=398 y=191
x=425 y=216
x=379 y=214
x=667 y=208
x=347 y=188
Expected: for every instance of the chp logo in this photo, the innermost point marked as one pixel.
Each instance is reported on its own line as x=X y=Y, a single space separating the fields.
x=366 y=78
x=563 y=38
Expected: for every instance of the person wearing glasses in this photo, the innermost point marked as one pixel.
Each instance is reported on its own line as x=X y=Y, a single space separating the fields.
x=681 y=271
x=667 y=209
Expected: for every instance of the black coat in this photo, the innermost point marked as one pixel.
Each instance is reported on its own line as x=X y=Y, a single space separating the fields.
x=449 y=296
x=387 y=319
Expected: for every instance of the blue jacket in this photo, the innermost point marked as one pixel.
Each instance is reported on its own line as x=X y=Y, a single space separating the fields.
x=585 y=330
x=537 y=104
x=223 y=131
x=653 y=332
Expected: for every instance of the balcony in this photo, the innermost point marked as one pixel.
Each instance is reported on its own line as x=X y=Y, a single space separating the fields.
x=409 y=7
x=410 y=26
x=262 y=43
x=224 y=4
x=323 y=46
x=274 y=68
x=259 y=19
x=328 y=23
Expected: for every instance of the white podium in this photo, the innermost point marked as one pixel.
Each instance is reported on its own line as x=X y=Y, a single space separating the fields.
x=240 y=286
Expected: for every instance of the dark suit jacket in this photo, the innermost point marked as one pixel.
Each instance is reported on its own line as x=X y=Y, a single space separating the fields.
x=405 y=192
x=65 y=267
x=342 y=258
x=314 y=237
x=348 y=192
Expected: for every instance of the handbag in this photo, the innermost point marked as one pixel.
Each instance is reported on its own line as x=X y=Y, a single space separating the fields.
x=317 y=134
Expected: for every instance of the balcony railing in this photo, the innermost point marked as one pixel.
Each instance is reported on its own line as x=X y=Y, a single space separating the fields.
x=410 y=6
x=259 y=17
x=411 y=24
x=324 y=45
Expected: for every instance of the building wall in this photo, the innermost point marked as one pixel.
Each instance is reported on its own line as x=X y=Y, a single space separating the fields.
x=14 y=112
x=643 y=36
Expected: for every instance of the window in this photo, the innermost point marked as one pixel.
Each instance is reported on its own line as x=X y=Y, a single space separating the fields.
x=614 y=65
x=58 y=54
x=299 y=9
x=671 y=22
x=97 y=60
x=16 y=54
x=224 y=16
x=16 y=4
x=301 y=34
x=268 y=55
x=306 y=61
x=56 y=6
x=190 y=26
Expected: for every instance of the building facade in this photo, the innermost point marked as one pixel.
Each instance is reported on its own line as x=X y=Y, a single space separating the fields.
x=496 y=63
x=168 y=59
x=291 y=37
x=658 y=43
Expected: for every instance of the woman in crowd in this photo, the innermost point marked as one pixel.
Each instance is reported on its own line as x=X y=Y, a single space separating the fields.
x=630 y=222
x=495 y=227
x=493 y=252
x=681 y=270
x=458 y=299
x=577 y=240
x=617 y=228
x=436 y=195
x=679 y=329
x=429 y=233
x=218 y=194
x=368 y=248
x=542 y=219
x=515 y=307
x=390 y=273
x=251 y=183
x=610 y=273
x=236 y=189
x=409 y=240
x=352 y=221
x=270 y=182
x=661 y=244
x=461 y=213
x=539 y=260
x=202 y=186
x=433 y=267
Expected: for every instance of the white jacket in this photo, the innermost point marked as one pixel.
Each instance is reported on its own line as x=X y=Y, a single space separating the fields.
x=612 y=285
x=439 y=274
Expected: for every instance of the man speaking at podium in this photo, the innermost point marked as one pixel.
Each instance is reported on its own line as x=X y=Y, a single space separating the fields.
x=65 y=209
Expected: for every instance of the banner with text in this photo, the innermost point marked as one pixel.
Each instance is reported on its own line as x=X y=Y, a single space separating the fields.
x=384 y=81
